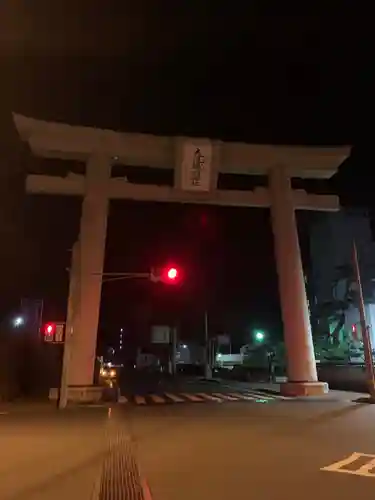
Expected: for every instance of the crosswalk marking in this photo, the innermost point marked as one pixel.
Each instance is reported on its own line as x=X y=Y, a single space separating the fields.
x=198 y=397
x=209 y=397
x=157 y=399
x=224 y=396
x=192 y=397
x=242 y=396
x=140 y=400
x=259 y=395
x=174 y=398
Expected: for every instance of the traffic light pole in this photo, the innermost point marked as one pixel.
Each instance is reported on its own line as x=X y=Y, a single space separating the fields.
x=207 y=367
x=74 y=294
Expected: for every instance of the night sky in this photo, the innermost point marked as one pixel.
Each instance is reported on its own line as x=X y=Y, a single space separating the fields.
x=179 y=68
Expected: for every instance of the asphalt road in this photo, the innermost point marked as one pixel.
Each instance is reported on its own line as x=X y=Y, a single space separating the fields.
x=276 y=449
x=254 y=450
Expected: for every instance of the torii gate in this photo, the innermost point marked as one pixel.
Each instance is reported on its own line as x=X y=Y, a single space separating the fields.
x=196 y=164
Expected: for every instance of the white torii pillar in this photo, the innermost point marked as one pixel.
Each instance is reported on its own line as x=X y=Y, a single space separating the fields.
x=92 y=238
x=301 y=364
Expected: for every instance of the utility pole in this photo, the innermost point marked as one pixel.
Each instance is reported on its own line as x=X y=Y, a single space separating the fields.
x=174 y=350
x=364 y=329
x=207 y=367
x=73 y=305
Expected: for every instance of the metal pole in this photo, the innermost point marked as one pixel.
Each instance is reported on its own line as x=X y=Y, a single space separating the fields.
x=40 y=319
x=365 y=333
x=207 y=368
x=174 y=346
x=69 y=332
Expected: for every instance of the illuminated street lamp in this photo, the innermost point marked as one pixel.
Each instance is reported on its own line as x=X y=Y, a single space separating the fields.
x=18 y=321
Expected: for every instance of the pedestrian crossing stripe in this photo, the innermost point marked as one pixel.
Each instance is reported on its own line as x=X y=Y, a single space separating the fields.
x=242 y=396
x=225 y=396
x=140 y=400
x=199 y=397
x=209 y=397
x=174 y=398
x=157 y=399
x=192 y=397
x=261 y=395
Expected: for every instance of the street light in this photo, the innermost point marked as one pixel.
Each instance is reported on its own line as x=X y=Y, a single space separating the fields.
x=18 y=321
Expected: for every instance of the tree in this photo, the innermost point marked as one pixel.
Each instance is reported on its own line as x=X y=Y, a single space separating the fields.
x=329 y=317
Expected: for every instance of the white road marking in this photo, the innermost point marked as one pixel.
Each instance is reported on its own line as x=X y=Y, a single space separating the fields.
x=140 y=400
x=366 y=470
x=209 y=397
x=261 y=395
x=241 y=395
x=225 y=396
x=192 y=397
x=258 y=393
x=174 y=398
x=157 y=399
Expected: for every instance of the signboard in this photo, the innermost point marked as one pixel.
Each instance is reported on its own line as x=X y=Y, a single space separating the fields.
x=196 y=165
x=160 y=334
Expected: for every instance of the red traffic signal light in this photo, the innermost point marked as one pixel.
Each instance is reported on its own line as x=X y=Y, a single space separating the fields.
x=53 y=332
x=49 y=329
x=170 y=275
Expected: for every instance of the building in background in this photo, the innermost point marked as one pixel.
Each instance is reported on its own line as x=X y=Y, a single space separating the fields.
x=330 y=279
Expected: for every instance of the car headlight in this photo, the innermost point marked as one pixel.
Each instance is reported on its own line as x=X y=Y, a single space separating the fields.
x=112 y=373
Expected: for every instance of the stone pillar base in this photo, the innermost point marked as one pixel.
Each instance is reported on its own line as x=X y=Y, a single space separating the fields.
x=80 y=394
x=304 y=388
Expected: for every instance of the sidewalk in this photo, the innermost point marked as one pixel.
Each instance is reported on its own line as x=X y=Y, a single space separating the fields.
x=47 y=455
x=81 y=453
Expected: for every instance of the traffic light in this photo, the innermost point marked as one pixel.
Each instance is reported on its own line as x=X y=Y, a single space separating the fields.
x=49 y=330
x=53 y=332
x=170 y=275
x=259 y=335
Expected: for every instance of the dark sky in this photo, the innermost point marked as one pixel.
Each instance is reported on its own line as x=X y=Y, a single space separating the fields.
x=236 y=71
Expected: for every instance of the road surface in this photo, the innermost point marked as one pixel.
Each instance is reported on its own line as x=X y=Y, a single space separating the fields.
x=255 y=450
x=45 y=455
x=203 y=449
